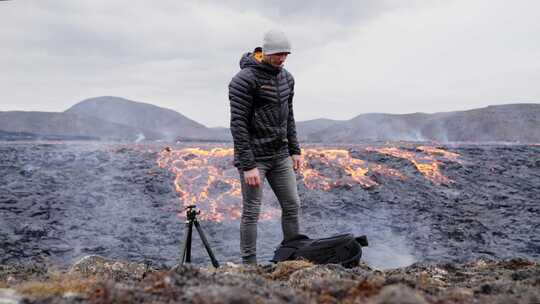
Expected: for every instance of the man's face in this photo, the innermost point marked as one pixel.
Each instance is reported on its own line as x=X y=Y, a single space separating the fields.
x=276 y=60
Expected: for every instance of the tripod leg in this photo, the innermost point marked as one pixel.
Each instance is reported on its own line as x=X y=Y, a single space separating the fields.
x=186 y=246
x=188 y=242
x=206 y=244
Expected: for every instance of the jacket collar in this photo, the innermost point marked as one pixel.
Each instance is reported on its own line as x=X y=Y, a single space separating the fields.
x=247 y=60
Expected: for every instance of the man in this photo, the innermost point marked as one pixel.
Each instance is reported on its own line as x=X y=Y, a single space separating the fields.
x=264 y=134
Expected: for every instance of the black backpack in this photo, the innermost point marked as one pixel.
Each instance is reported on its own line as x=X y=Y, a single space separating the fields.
x=342 y=249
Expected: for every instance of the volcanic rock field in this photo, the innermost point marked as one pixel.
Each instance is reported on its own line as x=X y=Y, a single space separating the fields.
x=418 y=203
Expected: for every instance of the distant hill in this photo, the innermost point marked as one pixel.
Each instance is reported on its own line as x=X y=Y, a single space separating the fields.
x=114 y=118
x=314 y=126
x=513 y=123
x=47 y=124
x=145 y=117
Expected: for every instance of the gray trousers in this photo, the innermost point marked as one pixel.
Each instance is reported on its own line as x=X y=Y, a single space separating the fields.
x=282 y=180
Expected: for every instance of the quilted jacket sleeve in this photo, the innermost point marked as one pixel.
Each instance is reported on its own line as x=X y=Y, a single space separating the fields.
x=241 y=99
x=294 y=146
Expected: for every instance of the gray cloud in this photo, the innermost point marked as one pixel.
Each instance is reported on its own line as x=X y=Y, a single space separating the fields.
x=346 y=12
x=349 y=57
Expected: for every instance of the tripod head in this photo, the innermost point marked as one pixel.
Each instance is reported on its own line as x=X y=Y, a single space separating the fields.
x=191 y=213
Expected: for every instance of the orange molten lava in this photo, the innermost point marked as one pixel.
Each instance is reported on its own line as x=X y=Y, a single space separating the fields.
x=208 y=179
x=205 y=178
x=439 y=152
x=348 y=170
x=426 y=164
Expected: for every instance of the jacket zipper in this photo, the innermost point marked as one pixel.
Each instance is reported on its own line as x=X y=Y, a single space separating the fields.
x=280 y=122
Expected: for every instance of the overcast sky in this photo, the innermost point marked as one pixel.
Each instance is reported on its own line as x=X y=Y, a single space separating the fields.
x=348 y=58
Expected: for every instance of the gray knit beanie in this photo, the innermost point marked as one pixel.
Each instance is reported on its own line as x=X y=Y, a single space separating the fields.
x=275 y=41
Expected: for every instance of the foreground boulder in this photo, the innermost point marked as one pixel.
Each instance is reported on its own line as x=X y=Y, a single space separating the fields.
x=94 y=265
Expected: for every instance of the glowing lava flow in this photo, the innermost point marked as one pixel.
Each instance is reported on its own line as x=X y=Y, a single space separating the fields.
x=345 y=169
x=426 y=164
x=208 y=179
x=439 y=152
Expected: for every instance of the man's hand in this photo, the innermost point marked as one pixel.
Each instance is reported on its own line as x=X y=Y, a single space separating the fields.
x=252 y=177
x=297 y=161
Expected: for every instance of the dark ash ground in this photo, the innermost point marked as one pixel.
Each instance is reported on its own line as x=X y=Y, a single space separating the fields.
x=67 y=200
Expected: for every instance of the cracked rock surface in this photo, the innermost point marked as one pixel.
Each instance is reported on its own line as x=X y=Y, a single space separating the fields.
x=99 y=280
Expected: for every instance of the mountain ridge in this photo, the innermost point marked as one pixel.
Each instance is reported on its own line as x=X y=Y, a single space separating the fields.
x=116 y=118
x=146 y=116
x=66 y=124
x=509 y=122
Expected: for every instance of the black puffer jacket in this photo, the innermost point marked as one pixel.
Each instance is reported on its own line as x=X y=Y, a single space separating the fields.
x=262 y=120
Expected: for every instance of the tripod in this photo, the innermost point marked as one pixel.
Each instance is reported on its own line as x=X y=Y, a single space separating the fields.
x=191 y=214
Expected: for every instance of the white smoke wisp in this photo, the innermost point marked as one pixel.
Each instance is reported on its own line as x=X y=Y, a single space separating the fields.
x=387 y=250
x=140 y=137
